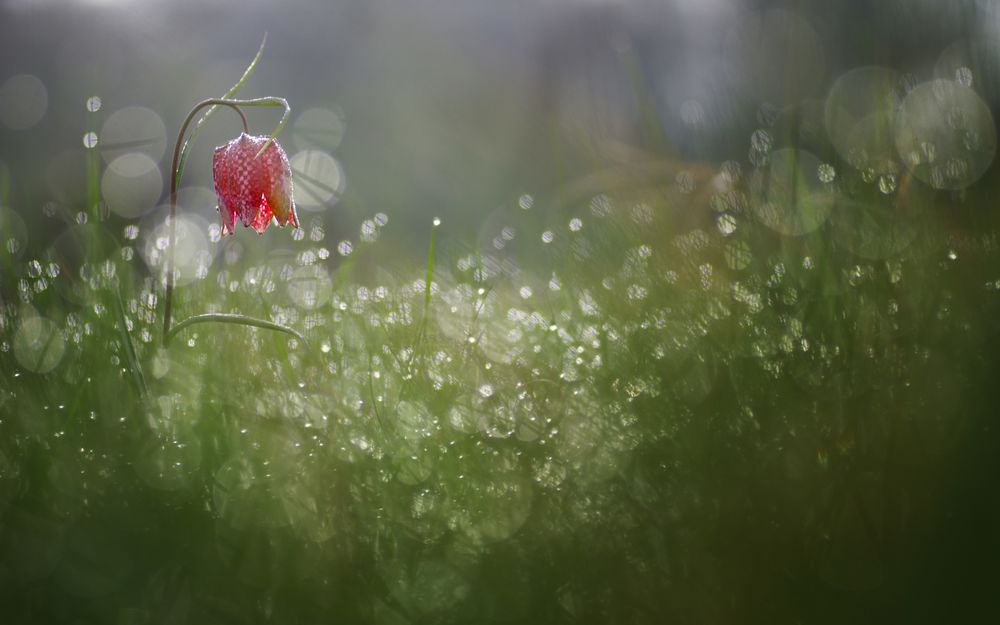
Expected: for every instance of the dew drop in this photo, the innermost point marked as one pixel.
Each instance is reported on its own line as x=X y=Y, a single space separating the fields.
x=826 y=173
x=887 y=183
x=761 y=140
x=369 y=231
x=636 y=292
x=963 y=76
x=727 y=224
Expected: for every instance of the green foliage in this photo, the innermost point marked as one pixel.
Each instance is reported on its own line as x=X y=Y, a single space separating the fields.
x=664 y=392
x=624 y=423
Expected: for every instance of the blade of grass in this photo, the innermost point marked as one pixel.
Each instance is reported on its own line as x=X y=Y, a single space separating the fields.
x=430 y=268
x=137 y=378
x=236 y=319
x=427 y=288
x=269 y=101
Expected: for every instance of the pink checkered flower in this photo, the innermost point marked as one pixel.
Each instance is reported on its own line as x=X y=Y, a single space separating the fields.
x=255 y=188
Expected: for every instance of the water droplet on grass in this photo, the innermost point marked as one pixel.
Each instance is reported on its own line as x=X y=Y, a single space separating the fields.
x=38 y=345
x=726 y=224
x=963 y=76
x=887 y=183
x=826 y=173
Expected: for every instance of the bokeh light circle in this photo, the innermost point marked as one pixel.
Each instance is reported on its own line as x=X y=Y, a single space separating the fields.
x=871 y=151
x=193 y=255
x=319 y=129
x=319 y=180
x=133 y=129
x=859 y=115
x=497 y=505
x=945 y=134
x=310 y=287
x=23 y=101
x=132 y=184
x=788 y=196
x=883 y=226
x=38 y=345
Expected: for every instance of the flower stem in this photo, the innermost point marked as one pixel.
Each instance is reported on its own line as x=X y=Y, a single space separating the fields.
x=172 y=217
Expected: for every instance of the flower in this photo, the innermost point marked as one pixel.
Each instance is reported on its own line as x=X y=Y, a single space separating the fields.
x=254 y=187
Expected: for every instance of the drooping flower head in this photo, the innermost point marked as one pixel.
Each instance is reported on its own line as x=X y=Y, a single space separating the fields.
x=255 y=188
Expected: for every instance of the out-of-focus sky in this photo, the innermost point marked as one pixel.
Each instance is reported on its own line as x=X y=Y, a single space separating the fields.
x=433 y=107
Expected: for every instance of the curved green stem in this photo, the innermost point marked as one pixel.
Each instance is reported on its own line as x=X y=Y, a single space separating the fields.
x=236 y=319
x=177 y=166
x=172 y=217
x=229 y=94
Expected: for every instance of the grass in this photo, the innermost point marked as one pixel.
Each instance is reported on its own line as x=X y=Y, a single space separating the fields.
x=635 y=401
x=616 y=423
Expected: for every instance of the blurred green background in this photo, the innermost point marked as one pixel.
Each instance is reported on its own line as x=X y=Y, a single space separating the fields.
x=624 y=311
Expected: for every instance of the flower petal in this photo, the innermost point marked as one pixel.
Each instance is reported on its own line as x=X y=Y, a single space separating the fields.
x=263 y=217
x=254 y=187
